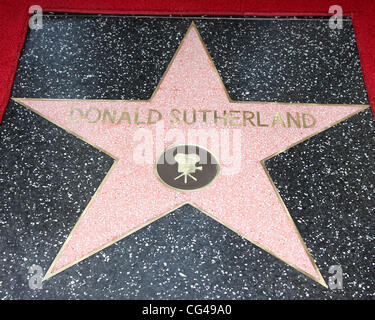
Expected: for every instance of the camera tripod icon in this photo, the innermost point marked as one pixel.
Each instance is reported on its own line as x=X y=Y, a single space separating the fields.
x=187 y=166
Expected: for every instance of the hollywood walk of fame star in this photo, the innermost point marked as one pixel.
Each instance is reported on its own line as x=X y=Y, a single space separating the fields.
x=131 y=196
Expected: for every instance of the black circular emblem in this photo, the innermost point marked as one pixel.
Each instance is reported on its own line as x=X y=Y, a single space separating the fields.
x=187 y=167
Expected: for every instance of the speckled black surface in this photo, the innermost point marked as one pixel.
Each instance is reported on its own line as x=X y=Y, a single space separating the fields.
x=48 y=176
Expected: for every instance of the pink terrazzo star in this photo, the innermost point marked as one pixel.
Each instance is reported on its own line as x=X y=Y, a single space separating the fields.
x=132 y=196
